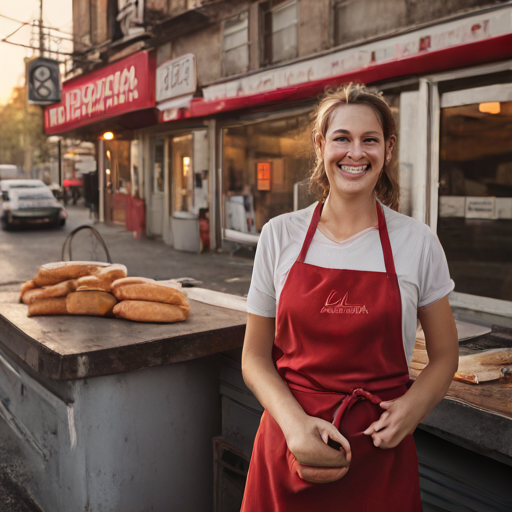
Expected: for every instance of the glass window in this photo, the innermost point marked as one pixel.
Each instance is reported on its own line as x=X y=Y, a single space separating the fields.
x=182 y=174
x=264 y=168
x=279 y=31
x=235 y=49
x=158 y=166
x=475 y=197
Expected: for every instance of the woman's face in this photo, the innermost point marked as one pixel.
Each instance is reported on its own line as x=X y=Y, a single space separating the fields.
x=354 y=150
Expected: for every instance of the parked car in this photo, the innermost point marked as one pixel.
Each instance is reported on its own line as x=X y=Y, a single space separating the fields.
x=8 y=171
x=19 y=183
x=30 y=204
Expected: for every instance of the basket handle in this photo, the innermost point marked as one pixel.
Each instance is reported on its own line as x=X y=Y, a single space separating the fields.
x=69 y=240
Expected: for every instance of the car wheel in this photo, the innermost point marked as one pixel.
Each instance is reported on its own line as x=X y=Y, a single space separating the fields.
x=62 y=223
x=5 y=225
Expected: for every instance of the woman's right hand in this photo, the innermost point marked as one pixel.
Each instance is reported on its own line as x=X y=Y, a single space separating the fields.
x=308 y=439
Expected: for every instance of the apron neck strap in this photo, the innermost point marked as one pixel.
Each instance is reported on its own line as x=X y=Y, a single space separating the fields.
x=383 y=233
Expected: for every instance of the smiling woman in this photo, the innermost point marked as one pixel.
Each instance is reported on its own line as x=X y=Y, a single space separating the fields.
x=331 y=329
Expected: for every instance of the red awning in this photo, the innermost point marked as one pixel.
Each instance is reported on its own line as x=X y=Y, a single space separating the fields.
x=479 y=52
x=72 y=183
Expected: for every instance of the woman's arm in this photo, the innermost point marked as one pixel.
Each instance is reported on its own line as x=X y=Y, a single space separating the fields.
x=402 y=416
x=306 y=436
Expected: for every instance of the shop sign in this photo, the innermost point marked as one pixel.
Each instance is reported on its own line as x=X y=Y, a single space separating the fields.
x=434 y=38
x=121 y=87
x=176 y=78
x=263 y=173
x=481 y=208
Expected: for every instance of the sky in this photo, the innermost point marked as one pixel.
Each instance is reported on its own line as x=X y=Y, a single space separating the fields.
x=56 y=14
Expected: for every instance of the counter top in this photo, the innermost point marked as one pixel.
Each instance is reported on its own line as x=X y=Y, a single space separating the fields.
x=466 y=417
x=78 y=347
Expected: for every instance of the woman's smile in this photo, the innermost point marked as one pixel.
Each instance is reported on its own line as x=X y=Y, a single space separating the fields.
x=353 y=171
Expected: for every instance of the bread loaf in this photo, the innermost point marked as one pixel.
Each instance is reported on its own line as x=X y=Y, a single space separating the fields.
x=53 y=273
x=124 y=289
x=90 y=303
x=55 y=290
x=102 y=279
x=25 y=287
x=51 y=306
x=145 y=311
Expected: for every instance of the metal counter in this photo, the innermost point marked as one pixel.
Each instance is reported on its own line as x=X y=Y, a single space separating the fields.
x=113 y=415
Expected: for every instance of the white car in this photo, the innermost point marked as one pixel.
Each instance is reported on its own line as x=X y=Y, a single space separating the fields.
x=29 y=202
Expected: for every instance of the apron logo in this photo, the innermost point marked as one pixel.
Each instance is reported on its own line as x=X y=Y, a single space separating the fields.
x=341 y=306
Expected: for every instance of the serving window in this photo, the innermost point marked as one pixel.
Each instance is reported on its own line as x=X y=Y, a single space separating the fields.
x=475 y=195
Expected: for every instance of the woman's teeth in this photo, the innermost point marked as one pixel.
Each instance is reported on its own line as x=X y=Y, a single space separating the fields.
x=354 y=170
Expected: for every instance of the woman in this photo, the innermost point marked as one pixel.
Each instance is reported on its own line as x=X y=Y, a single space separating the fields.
x=335 y=354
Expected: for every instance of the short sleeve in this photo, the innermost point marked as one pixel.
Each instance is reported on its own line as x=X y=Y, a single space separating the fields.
x=261 y=299
x=435 y=282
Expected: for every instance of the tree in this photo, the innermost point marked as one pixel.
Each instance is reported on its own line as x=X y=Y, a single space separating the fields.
x=22 y=138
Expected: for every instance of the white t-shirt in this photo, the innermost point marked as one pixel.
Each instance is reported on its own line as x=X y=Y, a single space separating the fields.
x=420 y=262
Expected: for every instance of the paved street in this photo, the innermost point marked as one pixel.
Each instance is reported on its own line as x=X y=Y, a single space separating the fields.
x=21 y=253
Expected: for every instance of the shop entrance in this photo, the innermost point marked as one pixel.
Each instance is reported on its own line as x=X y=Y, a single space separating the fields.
x=158 y=173
x=117 y=180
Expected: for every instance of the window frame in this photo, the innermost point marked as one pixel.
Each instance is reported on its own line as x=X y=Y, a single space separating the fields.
x=267 y=9
x=436 y=101
x=246 y=44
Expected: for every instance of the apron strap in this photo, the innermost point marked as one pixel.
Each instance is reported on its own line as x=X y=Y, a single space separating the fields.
x=311 y=232
x=383 y=233
x=384 y=240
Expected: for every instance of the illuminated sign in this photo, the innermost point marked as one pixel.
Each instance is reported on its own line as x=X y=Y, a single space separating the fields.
x=263 y=170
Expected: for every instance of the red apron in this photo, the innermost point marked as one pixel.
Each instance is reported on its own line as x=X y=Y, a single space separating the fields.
x=339 y=348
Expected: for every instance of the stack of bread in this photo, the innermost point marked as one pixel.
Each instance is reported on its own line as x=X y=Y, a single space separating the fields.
x=146 y=300
x=72 y=287
x=91 y=288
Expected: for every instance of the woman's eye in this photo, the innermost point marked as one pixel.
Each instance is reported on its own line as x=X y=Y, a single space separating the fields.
x=341 y=139
x=371 y=140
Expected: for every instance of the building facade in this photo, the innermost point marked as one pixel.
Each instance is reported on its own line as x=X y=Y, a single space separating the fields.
x=209 y=105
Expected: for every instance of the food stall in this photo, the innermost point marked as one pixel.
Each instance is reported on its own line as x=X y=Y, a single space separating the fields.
x=115 y=415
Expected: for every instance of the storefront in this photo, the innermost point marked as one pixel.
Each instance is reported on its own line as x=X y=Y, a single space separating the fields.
x=106 y=106
x=178 y=151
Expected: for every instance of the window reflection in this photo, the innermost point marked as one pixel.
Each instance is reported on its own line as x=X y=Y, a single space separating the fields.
x=475 y=197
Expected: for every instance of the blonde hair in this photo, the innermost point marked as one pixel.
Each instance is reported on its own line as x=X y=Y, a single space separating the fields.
x=387 y=188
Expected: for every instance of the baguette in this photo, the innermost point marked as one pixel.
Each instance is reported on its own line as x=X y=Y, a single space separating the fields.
x=55 y=290
x=90 y=303
x=51 y=306
x=151 y=291
x=145 y=311
x=53 y=273
x=102 y=279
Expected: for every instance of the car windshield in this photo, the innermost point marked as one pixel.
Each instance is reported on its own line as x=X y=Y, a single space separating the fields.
x=40 y=193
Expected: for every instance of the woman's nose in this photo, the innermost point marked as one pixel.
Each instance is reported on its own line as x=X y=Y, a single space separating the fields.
x=356 y=151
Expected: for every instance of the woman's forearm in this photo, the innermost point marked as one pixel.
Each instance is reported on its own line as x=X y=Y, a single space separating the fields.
x=262 y=378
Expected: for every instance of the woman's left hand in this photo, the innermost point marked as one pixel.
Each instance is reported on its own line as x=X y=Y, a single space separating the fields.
x=399 y=419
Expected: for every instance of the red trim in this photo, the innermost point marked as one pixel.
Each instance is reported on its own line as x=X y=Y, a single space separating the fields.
x=493 y=49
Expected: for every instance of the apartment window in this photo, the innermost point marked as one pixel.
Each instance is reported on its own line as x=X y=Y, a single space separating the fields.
x=235 y=46
x=279 y=31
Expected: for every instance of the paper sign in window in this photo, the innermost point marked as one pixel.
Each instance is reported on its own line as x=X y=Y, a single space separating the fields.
x=263 y=171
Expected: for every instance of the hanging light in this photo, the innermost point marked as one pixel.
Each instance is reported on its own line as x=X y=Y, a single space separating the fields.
x=108 y=135
x=490 y=108
x=107 y=171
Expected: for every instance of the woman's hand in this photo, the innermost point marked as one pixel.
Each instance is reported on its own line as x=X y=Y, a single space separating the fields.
x=308 y=443
x=399 y=419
